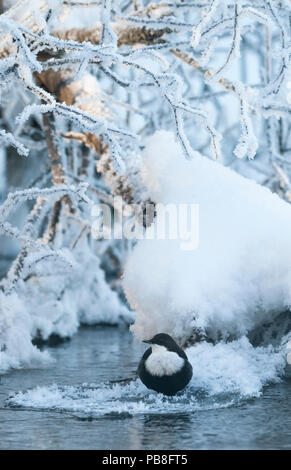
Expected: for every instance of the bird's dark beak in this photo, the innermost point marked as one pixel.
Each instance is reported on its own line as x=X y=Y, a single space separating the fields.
x=147 y=341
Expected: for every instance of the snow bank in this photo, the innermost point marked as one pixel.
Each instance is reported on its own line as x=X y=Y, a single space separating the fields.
x=223 y=375
x=16 y=326
x=55 y=302
x=237 y=278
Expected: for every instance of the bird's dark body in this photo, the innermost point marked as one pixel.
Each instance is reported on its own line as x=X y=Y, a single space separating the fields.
x=166 y=384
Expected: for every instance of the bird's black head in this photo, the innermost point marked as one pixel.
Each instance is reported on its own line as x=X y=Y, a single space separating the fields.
x=162 y=339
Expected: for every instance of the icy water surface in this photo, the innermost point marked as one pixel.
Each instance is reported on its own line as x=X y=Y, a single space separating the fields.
x=82 y=402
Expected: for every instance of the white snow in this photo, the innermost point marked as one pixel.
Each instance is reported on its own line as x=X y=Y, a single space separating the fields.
x=238 y=277
x=55 y=304
x=16 y=326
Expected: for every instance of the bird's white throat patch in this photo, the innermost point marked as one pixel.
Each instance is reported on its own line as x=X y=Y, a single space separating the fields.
x=163 y=362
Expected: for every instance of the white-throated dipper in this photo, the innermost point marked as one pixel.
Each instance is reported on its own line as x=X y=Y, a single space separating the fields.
x=164 y=366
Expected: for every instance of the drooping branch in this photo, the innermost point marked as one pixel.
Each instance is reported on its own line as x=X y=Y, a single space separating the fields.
x=127 y=35
x=28 y=236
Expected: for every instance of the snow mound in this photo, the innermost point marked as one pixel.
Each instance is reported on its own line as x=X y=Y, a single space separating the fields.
x=16 y=326
x=237 y=278
x=55 y=304
x=223 y=375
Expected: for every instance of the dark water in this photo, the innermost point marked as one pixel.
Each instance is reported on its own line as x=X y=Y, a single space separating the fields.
x=105 y=353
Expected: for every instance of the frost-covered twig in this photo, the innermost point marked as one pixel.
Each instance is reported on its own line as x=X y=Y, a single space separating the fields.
x=7 y=138
x=27 y=235
x=13 y=199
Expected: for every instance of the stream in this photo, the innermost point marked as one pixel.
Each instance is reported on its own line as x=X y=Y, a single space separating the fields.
x=81 y=401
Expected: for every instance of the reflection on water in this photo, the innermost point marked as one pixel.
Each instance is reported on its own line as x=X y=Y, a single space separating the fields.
x=71 y=417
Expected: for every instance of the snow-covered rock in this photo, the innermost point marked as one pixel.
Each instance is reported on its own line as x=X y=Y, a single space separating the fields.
x=55 y=303
x=16 y=327
x=238 y=277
